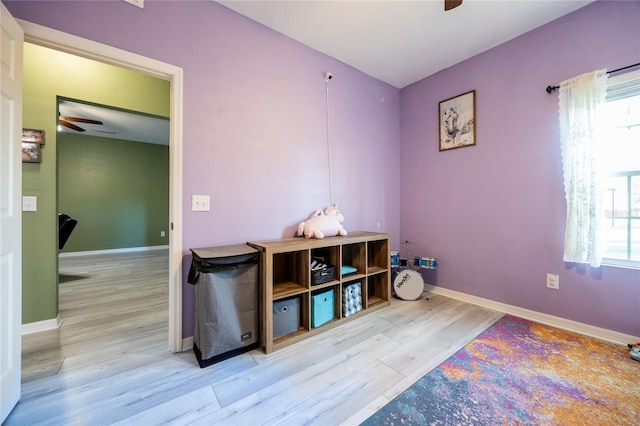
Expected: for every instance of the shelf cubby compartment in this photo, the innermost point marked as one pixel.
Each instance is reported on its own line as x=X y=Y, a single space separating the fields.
x=377 y=256
x=290 y=273
x=330 y=256
x=290 y=318
x=351 y=300
x=377 y=291
x=325 y=306
x=355 y=255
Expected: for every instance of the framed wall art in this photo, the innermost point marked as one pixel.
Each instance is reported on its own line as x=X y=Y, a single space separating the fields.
x=33 y=135
x=457 y=121
x=30 y=152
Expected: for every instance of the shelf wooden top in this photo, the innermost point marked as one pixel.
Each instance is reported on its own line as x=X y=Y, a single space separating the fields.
x=301 y=243
x=282 y=290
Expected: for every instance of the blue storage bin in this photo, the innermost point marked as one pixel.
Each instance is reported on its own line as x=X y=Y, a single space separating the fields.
x=322 y=308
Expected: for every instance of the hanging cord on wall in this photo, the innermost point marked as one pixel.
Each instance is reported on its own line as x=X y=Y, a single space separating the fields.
x=327 y=77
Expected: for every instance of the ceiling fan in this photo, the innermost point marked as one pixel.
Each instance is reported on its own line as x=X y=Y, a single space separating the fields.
x=450 y=4
x=67 y=122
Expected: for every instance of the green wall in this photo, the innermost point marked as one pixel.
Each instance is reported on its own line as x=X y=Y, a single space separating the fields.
x=47 y=75
x=117 y=190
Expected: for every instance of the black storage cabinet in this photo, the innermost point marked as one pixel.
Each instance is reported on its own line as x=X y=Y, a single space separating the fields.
x=226 y=299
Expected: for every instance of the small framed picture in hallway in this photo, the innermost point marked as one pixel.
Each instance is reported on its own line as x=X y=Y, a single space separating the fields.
x=33 y=135
x=30 y=152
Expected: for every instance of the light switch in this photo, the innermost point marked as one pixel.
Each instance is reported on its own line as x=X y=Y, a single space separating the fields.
x=29 y=204
x=200 y=203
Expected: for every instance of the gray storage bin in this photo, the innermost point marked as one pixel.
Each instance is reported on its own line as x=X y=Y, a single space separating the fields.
x=286 y=316
x=226 y=302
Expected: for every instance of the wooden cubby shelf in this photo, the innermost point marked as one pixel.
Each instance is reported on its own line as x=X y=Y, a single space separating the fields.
x=285 y=274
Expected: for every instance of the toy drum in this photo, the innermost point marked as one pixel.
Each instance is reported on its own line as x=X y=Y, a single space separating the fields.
x=395 y=259
x=425 y=262
x=407 y=284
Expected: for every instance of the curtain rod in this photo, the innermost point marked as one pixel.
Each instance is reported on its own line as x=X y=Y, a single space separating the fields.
x=551 y=89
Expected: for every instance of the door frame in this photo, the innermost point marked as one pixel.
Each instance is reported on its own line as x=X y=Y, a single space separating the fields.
x=58 y=40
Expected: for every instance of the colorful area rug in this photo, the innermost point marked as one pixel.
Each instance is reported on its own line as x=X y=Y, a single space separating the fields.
x=520 y=372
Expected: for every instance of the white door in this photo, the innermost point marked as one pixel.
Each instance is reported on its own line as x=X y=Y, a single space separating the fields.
x=11 y=37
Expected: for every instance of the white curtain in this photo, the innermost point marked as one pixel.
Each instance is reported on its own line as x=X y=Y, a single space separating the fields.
x=581 y=101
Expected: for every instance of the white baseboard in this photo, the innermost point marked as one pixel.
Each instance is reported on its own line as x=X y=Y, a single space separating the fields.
x=187 y=344
x=35 y=327
x=110 y=251
x=565 y=324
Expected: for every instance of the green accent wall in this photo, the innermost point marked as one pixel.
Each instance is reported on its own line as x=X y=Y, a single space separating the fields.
x=117 y=190
x=47 y=75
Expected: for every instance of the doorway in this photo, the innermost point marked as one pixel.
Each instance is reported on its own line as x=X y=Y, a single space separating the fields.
x=112 y=168
x=57 y=40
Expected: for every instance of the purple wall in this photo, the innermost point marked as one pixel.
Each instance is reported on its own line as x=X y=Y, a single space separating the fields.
x=494 y=213
x=254 y=138
x=254 y=120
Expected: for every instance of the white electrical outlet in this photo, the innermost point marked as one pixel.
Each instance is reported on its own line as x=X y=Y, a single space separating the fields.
x=162 y=233
x=553 y=281
x=200 y=203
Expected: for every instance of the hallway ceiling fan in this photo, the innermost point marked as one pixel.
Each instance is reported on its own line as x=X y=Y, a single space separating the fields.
x=67 y=122
x=84 y=118
x=450 y=4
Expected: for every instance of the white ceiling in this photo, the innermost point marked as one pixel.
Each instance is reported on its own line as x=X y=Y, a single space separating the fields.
x=116 y=123
x=401 y=42
x=398 y=42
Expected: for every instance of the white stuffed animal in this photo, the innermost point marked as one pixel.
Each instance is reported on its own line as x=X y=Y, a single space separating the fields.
x=322 y=224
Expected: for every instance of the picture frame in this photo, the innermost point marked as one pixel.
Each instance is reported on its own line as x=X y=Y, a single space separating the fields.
x=457 y=121
x=31 y=152
x=33 y=135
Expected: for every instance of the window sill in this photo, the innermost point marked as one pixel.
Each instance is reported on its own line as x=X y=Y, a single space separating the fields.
x=617 y=263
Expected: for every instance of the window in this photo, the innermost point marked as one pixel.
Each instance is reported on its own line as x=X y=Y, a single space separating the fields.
x=622 y=154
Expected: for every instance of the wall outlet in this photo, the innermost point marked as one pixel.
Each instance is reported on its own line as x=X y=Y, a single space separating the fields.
x=162 y=233
x=553 y=281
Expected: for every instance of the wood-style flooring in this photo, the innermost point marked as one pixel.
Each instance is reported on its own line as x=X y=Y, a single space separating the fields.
x=109 y=361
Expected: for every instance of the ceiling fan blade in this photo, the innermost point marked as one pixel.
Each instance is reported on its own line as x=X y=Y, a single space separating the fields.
x=108 y=132
x=70 y=125
x=82 y=120
x=450 y=4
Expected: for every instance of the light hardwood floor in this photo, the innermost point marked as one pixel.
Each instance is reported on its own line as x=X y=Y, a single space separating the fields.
x=109 y=363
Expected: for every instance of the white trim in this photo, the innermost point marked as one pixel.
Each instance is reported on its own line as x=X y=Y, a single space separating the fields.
x=54 y=39
x=38 y=326
x=187 y=343
x=111 y=251
x=175 y=213
x=565 y=324
x=619 y=263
